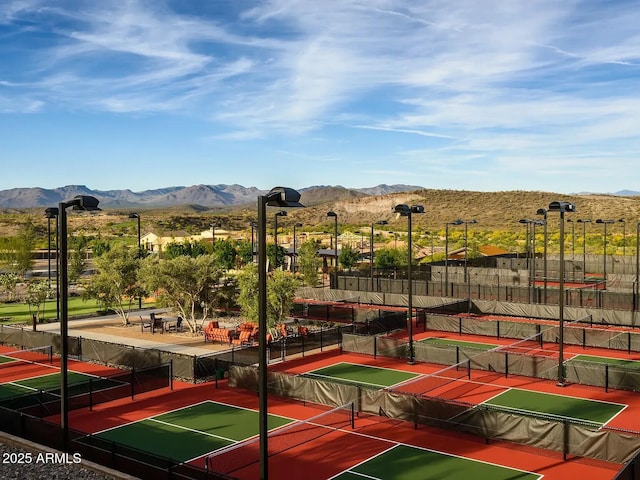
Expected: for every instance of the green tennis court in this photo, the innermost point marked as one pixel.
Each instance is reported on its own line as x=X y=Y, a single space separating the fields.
x=593 y=411
x=618 y=362
x=362 y=374
x=190 y=432
x=404 y=462
x=78 y=383
x=459 y=343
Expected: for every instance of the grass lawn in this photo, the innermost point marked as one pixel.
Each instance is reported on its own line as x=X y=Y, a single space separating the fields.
x=19 y=312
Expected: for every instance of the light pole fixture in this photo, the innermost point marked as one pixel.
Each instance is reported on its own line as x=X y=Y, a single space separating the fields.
x=253 y=226
x=79 y=202
x=530 y=241
x=406 y=211
x=295 y=245
x=49 y=213
x=562 y=208
x=213 y=231
x=278 y=197
x=136 y=215
x=584 y=222
x=281 y=213
x=543 y=212
x=446 y=252
x=624 y=236
x=466 y=245
x=379 y=222
x=335 y=246
x=604 y=256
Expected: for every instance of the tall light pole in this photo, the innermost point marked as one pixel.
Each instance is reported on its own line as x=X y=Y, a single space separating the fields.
x=79 y=202
x=584 y=222
x=624 y=236
x=446 y=252
x=295 y=245
x=529 y=224
x=604 y=256
x=135 y=215
x=573 y=237
x=253 y=226
x=561 y=207
x=281 y=213
x=379 y=222
x=636 y=290
x=53 y=212
x=407 y=211
x=278 y=197
x=213 y=231
x=335 y=246
x=543 y=212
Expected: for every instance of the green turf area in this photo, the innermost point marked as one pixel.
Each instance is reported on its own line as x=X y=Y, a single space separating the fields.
x=78 y=384
x=6 y=359
x=557 y=405
x=192 y=431
x=459 y=343
x=403 y=462
x=618 y=362
x=362 y=374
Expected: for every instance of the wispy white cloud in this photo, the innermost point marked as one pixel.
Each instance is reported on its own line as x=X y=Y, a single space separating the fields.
x=493 y=82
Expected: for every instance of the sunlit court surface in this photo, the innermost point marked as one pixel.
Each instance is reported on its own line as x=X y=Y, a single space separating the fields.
x=215 y=430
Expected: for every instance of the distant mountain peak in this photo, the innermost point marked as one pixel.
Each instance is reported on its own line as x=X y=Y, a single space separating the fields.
x=219 y=195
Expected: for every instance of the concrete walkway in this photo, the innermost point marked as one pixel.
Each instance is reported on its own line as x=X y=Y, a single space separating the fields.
x=76 y=330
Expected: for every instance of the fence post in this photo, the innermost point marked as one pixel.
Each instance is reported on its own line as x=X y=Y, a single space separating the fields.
x=133 y=379
x=90 y=394
x=498 y=329
x=321 y=338
x=171 y=374
x=606 y=378
x=375 y=346
x=506 y=364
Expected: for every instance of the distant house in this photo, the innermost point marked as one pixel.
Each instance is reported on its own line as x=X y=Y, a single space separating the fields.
x=483 y=251
x=157 y=241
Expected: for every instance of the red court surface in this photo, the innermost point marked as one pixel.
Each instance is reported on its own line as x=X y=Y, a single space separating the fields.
x=339 y=450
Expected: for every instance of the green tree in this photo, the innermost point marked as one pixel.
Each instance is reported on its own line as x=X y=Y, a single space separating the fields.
x=9 y=281
x=388 y=258
x=271 y=255
x=115 y=284
x=37 y=295
x=281 y=288
x=78 y=246
x=248 y=292
x=244 y=253
x=348 y=257
x=16 y=253
x=186 y=284
x=309 y=262
x=186 y=249
x=226 y=253
x=281 y=291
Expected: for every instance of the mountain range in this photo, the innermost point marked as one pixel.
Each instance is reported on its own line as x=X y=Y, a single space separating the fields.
x=203 y=195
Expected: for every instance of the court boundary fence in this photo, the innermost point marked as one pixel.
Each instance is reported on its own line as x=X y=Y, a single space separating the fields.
x=191 y=368
x=568 y=436
x=110 y=454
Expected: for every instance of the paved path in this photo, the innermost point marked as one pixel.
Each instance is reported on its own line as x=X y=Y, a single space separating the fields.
x=75 y=330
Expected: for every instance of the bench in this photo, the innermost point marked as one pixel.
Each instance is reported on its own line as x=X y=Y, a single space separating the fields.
x=221 y=335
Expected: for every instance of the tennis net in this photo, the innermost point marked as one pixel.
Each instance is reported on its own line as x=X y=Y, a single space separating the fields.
x=243 y=454
x=26 y=356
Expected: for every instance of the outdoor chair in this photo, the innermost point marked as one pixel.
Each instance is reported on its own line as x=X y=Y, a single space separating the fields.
x=145 y=324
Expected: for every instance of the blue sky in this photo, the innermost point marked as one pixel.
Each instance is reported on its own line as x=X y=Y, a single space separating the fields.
x=471 y=94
